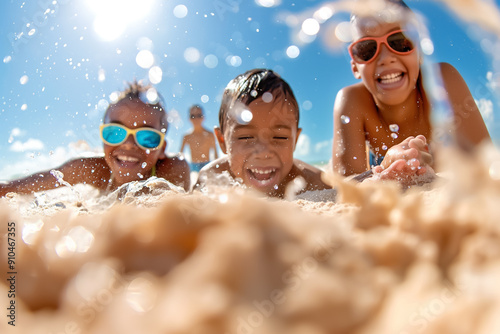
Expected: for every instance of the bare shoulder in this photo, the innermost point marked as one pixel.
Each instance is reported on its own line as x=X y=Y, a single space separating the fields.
x=213 y=168
x=447 y=68
x=208 y=132
x=312 y=175
x=352 y=100
x=174 y=169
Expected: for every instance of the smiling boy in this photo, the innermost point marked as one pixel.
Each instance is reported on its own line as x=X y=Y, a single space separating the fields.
x=258 y=130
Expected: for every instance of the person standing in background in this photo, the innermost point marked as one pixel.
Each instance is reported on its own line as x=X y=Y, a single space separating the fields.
x=200 y=140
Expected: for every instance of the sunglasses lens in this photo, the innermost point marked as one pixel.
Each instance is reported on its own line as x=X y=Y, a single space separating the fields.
x=113 y=134
x=363 y=51
x=148 y=138
x=398 y=42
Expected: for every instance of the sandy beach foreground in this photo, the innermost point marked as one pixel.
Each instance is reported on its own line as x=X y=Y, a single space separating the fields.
x=153 y=259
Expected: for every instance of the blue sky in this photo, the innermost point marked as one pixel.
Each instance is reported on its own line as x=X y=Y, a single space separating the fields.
x=62 y=60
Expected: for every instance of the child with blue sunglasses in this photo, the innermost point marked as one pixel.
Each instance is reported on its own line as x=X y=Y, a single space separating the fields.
x=390 y=107
x=133 y=134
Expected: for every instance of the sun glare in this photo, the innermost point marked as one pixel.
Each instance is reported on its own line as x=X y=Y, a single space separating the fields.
x=113 y=16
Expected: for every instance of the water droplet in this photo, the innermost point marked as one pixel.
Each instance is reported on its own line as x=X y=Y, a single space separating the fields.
x=145 y=59
x=384 y=147
x=267 y=97
x=6 y=59
x=394 y=127
x=180 y=11
x=144 y=164
x=394 y=135
x=345 y=119
x=148 y=151
x=24 y=107
x=24 y=79
x=246 y=116
x=275 y=187
x=140 y=175
x=254 y=93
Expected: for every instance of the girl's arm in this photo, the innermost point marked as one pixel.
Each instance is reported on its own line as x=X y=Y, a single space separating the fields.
x=470 y=127
x=93 y=171
x=349 y=141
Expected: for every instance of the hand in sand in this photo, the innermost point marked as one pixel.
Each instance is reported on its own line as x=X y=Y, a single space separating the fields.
x=405 y=161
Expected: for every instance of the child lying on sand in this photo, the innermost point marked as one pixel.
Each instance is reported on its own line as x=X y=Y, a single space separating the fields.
x=258 y=130
x=133 y=135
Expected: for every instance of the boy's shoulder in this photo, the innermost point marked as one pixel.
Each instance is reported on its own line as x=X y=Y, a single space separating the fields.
x=312 y=175
x=214 y=167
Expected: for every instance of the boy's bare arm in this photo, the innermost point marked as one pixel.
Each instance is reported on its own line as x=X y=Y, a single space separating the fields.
x=470 y=127
x=184 y=141
x=349 y=142
x=311 y=175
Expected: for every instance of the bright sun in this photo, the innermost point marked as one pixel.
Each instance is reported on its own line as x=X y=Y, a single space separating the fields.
x=113 y=16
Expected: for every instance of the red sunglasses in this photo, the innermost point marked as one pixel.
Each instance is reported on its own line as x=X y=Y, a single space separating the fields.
x=366 y=49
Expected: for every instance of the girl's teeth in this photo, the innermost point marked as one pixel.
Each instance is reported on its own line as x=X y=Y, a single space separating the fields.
x=127 y=159
x=390 y=78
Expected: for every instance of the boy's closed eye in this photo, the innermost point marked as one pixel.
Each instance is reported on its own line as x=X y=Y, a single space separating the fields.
x=246 y=137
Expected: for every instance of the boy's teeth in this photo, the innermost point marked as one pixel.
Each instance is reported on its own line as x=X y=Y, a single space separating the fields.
x=260 y=171
x=263 y=175
x=127 y=158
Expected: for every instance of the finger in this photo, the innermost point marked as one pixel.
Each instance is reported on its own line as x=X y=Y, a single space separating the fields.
x=426 y=158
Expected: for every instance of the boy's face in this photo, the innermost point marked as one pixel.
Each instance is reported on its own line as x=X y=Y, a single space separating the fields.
x=128 y=161
x=260 y=150
x=196 y=115
x=390 y=77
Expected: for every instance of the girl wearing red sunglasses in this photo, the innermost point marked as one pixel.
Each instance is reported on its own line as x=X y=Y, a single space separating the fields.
x=390 y=107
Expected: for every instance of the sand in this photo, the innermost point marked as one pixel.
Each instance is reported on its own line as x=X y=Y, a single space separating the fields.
x=150 y=258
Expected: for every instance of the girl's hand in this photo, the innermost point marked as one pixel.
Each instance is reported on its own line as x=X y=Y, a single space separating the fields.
x=405 y=161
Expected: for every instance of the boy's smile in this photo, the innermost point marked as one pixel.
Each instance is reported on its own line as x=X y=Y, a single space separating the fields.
x=260 y=152
x=128 y=161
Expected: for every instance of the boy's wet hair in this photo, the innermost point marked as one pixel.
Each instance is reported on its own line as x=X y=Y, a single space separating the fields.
x=251 y=86
x=147 y=94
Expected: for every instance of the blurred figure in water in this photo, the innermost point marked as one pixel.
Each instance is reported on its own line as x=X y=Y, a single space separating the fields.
x=133 y=135
x=390 y=106
x=200 y=140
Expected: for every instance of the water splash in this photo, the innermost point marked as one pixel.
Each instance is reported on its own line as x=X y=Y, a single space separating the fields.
x=60 y=178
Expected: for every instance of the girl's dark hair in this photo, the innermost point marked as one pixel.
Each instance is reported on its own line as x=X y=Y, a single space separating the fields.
x=138 y=91
x=399 y=3
x=251 y=86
